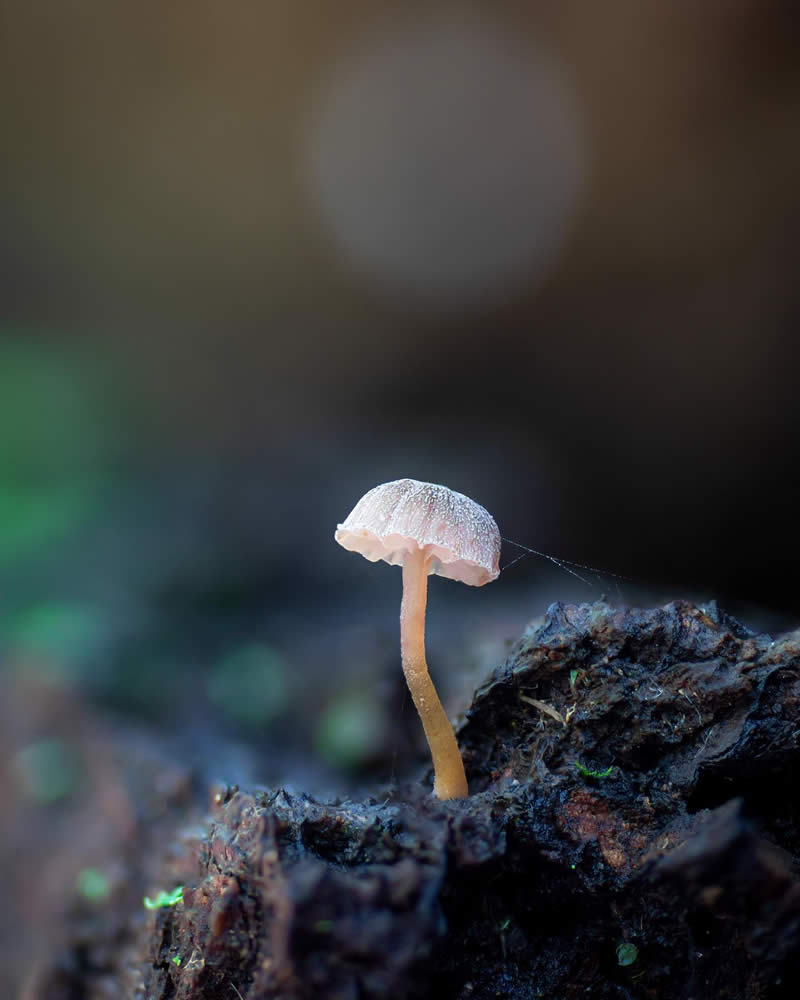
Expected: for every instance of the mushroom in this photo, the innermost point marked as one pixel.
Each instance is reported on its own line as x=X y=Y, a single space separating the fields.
x=426 y=529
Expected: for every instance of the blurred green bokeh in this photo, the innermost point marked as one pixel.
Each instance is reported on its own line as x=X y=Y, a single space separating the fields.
x=55 y=448
x=54 y=633
x=249 y=687
x=93 y=885
x=51 y=445
x=349 y=731
x=32 y=516
x=46 y=770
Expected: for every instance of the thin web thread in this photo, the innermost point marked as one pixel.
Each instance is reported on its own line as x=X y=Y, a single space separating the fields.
x=566 y=564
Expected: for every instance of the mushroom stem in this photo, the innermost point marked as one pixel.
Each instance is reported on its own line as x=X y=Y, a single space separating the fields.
x=449 y=780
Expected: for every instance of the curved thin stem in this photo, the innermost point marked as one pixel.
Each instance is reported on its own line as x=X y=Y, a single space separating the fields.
x=449 y=780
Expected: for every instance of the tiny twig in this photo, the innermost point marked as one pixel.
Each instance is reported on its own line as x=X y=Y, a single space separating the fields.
x=545 y=709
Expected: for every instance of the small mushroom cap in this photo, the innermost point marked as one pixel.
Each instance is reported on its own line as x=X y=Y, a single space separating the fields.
x=459 y=536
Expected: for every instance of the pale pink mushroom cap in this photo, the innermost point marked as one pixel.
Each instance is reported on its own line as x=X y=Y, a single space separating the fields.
x=460 y=537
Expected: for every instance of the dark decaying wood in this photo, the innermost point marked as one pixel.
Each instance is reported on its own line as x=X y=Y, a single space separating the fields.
x=632 y=832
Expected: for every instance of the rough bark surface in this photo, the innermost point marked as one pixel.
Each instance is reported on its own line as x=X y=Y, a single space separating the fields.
x=632 y=832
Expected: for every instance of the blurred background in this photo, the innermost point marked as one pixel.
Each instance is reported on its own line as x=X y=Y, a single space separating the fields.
x=257 y=258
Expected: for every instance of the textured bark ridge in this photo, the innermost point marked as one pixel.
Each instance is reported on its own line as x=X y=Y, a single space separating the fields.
x=632 y=832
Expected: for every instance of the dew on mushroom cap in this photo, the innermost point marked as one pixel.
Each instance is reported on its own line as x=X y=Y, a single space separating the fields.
x=425 y=528
x=459 y=536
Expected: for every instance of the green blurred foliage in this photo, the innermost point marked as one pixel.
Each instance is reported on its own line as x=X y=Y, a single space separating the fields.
x=93 y=885
x=55 y=438
x=59 y=633
x=349 y=732
x=249 y=687
x=51 y=442
x=46 y=770
x=34 y=516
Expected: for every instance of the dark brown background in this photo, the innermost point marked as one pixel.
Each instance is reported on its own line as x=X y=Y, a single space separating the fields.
x=632 y=403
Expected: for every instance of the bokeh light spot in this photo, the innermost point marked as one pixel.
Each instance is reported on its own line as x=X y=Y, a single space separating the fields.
x=445 y=158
